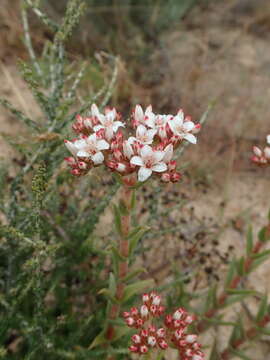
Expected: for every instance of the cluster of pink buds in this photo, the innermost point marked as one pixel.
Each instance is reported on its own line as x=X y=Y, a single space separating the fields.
x=262 y=157
x=101 y=140
x=173 y=332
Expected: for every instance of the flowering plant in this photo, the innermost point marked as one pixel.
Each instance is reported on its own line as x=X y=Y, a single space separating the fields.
x=101 y=141
x=262 y=157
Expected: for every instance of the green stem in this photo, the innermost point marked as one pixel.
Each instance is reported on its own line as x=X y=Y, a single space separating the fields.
x=123 y=247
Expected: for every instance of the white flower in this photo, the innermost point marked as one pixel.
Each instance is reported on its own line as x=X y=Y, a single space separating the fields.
x=71 y=147
x=127 y=148
x=108 y=123
x=168 y=153
x=143 y=135
x=268 y=139
x=140 y=116
x=148 y=161
x=182 y=128
x=91 y=147
x=159 y=123
x=267 y=153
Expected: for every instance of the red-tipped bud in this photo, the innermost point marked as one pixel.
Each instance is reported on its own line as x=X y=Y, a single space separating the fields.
x=82 y=165
x=126 y=314
x=136 y=338
x=144 y=311
x=139 y=323
x=175 y=177
x=134 y=349
x=130 y=321
x=172 y=165
x=143 y=349
x=134 y=311
x=145 y=297
x=156 y=300
x=165 y=177
x=191 y=338
x=151 y=341
x=100 y=133
x=75 y=172
x=161 y=333
x=162 y=344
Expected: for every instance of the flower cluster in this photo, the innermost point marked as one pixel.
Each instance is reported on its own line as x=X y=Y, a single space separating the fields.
x=262 y=157
x=101 y=141
x=172 y=333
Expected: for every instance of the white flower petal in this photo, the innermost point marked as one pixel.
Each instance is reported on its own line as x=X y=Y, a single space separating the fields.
x=109 y=132
x=188 y=125
x=158 y=155
x=71 y=147
x=111 y=115
x=102 y=119
x=80 y=144
x=98 y=158
x=150 y=121
x=268 y=139
x=172 y=126
x=103 y=145
x=151 y=133
x=267 y=152
x=191 y=138
x=148 y=110
x=168 y=153
x=179 y=119
x=144 y=174
x=136 y=160
x=83 y=153
x=139 y=115
x=141 y=130
x=127 y=149
x=117 y=124
x=146 y=151
x=159 y=167
x=98 y=127
x=94 y=110
x=257 y=151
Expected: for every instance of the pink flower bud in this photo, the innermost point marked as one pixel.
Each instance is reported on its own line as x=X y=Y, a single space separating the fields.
x=191 y=338
x=139 y=323
x=133 y=348
x=197 y=357
x=151 y=341
x=134 y=311
x=152 y=329
x=161 y=333
x=144 y=333
x=257 y=151
x=82 y=165
x=178 y=314
x=136 y=338
x=175 y=177
x=144 y=311
x=126 y=314
x=117 y=154
x=189 y=319
x=143 y=349
x=156 y=300
x=267 y=152
x=172 y=165
x=168 y=320
x=145 y=297
x=178 y=333
x=121 y=167
x=76 y=172
x=130 y=321
x=163 y=345
x=70 y=160
x=153 y=309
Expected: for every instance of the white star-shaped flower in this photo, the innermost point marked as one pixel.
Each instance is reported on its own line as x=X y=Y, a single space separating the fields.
x=143 y=135
x=89 y=147
x=182 y=128
x=148 y=161
x=108 y=123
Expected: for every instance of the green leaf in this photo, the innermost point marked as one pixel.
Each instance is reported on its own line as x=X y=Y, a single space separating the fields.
x=137 y=288
x=249 y=244
x=134 y=239
x=112 y=284
x=237 y=332
x=116 y=254
x=117 y=219
x=241 y=292
x=121 y=331
x=264 y=234
x=211 y=299
x=133 y=274
x=214 y=353
x=240 y=266
x=108 y=295
x=99 y=340
x=259 y=259
x=234 y=298
x=230 y=273
x=240 y=354
x=123 y=208
x=263 y=309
